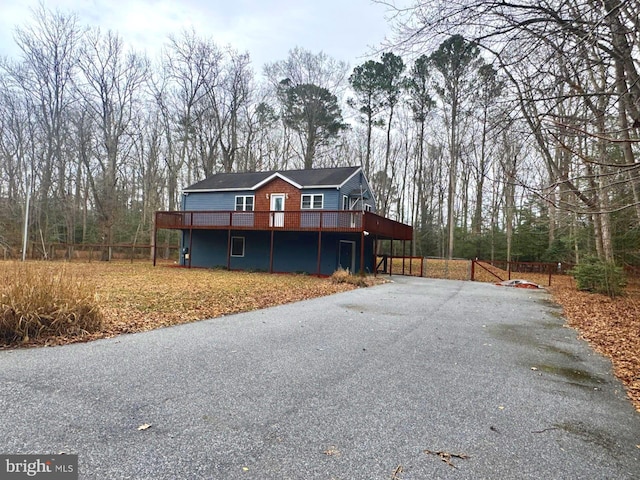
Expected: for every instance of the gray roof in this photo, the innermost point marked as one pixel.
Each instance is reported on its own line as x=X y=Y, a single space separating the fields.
x=318 y=177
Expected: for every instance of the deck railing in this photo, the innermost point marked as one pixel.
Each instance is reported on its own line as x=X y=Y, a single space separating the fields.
x=385 y=227
x=299 y=220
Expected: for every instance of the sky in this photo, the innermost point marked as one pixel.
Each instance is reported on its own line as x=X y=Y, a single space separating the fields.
x=347 y=30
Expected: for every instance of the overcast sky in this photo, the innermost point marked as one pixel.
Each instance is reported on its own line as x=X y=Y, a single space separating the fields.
x=344 y=29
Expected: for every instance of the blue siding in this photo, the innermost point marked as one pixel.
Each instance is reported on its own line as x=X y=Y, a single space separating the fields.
x=226 y=200
x=332 y=198
x=354 y=185
x=292 y=251
x=256 y=251
x=208 y=249
x=212 y=200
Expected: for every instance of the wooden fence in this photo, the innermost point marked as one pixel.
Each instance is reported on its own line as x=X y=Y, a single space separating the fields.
x=94 y=251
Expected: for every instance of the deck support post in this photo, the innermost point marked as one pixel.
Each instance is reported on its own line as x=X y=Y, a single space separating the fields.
x=404 y=254
x=362 y=252
x=319 y=245
x=411 y=257
x=319 y=251
x=190 y=239
x=155 y=238
x=271 y=254
x=375 y=256
x=391 y=258
x=229 y=249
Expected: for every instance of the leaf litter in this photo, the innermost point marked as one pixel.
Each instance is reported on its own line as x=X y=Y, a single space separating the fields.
x=611 y=326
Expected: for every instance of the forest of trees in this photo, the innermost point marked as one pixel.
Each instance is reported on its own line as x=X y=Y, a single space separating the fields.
x=499 y=130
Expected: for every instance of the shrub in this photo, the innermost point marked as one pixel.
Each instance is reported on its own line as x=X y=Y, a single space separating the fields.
x=39 y=300
x=597 y=276
x=343 y=276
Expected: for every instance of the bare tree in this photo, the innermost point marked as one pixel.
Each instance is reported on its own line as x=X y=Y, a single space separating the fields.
x=44 y=77
x=456 y=62
x=228 y=102
x=539 y=46
x=304 y=70
x=111 y=84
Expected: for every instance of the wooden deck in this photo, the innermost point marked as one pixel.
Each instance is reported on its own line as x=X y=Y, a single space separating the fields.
x=300 y=220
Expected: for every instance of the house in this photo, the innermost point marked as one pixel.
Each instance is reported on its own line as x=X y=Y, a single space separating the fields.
x=312 y=221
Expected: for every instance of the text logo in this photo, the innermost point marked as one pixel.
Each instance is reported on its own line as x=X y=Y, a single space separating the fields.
x=50 y=467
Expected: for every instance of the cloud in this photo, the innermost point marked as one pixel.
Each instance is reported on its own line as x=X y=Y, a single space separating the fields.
x=267 y=29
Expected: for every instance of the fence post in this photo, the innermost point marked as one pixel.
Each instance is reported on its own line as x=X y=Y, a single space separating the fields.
x=404 y=244
x=473 y=270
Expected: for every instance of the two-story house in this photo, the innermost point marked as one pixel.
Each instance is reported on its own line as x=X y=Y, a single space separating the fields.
x=312 y=221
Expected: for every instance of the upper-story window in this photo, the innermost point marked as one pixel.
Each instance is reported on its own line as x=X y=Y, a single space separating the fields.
x=312 y=201
x=368 y=208
x=244 y=203
x=345 y=202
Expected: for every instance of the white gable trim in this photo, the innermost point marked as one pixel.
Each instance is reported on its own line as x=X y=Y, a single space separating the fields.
x=357 y=171
x=273 y=177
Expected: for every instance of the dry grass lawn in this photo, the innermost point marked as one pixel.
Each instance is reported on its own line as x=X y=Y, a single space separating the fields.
x=138 y=297
x=432 y=268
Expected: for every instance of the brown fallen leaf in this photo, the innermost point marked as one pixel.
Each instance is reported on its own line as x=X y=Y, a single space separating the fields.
x=396 y=473
x=332 y=451
x=447 y=456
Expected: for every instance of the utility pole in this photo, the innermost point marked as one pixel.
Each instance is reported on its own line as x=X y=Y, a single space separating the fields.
x=26 y=223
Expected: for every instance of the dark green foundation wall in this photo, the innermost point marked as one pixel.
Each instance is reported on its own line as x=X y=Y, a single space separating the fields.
x=292 y=251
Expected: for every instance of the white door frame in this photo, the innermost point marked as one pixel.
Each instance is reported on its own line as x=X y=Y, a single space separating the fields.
x=277 y=216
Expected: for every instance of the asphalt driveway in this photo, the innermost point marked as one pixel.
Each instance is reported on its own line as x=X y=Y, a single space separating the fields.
x=353 y=386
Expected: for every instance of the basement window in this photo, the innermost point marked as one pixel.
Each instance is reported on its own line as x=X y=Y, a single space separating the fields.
x=237 y=246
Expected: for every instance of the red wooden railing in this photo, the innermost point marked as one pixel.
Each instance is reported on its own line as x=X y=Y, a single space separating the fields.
x=299 y=220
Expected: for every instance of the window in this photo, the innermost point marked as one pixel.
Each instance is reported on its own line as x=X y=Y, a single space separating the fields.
x=314 y=201
x=244 y=203
x=345 y=202
x=237 y=246
x=368 y=208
